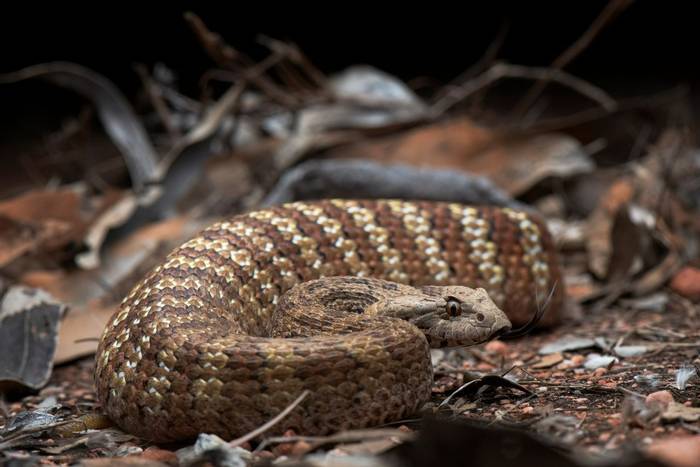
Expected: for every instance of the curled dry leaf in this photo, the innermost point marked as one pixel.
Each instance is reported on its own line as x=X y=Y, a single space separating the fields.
x=29 y=323
x=119 y=120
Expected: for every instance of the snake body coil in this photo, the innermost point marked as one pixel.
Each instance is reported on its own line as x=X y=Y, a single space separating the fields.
x=197 y=346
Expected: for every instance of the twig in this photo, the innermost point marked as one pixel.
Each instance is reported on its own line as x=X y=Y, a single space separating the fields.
x=219 y=51
x=296 y=56
x=156 y=97
x=352 y=436
x=207 y=126
x=229 y=58
x=506 y=70
x=272 y=422
x=611 y=10
x=597 y=113
x=481 y=65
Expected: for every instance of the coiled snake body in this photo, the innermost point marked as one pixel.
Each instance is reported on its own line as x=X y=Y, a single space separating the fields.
x=211 y=342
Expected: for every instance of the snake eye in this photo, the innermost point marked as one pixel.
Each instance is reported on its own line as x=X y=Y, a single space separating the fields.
x=453 y=308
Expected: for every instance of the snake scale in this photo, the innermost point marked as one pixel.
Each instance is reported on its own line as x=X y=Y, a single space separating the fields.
x=233 y=326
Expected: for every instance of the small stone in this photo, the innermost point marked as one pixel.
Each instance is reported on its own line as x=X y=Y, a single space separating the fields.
x=283 y=449
x=686 y=283
x=577 y=361
x=497 y=347
x=159 y=455
x=677 y=451
x=663 y=398
x=598 y=372
x=300 y=448
x=527 y=410
x=483 y=366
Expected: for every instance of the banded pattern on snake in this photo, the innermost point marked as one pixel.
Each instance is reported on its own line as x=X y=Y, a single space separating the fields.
x=211 y=342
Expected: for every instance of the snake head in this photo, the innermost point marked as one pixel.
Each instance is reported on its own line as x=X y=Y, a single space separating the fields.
x=459 y=316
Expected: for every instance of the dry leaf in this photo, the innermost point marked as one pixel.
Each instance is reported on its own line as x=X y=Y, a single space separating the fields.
x=513 y=164
x=29 y=322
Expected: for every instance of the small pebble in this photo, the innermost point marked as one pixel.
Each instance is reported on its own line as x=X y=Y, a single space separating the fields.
x=483 y=366
x=283 y=449
x=300 y=447
x=577 y=360
x=659 y=397
x=598 y=372
x=159 y=455
x=497 y=347
x=686 y=282
x=527 y=410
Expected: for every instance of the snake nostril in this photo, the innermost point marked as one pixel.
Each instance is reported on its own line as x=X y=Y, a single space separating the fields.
x=479 y=316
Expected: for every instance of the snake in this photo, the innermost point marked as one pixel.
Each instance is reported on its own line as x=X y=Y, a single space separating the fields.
x=340 y=299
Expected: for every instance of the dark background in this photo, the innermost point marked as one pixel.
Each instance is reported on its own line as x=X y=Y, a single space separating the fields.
x=651 y=41
x=650 y=47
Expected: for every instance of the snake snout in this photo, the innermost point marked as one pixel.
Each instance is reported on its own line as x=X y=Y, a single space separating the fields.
x=500 y=328
x=493 y=321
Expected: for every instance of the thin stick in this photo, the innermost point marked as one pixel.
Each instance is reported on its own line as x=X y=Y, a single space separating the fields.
x=665 y=98
x=482 y=64
x=611 y=10
x=506 y=70
x=218 y=50
x=274 y=421
x=352 y=436
x=156 y=97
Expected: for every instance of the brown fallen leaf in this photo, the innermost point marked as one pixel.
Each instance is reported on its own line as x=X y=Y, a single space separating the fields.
x=548 y=361
x=600 y=226
x=46 y=221
x=514 y=164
